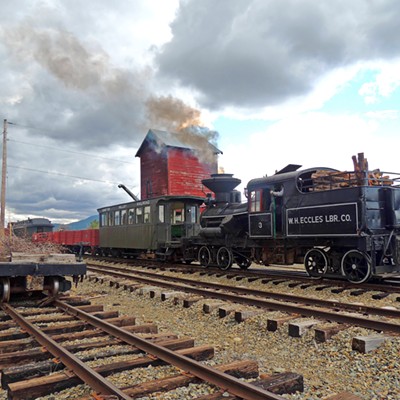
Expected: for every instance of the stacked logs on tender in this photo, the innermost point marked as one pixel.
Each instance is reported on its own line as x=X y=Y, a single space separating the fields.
x=361 y=176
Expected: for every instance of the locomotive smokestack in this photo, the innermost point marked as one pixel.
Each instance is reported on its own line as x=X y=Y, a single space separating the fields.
x=223 y=186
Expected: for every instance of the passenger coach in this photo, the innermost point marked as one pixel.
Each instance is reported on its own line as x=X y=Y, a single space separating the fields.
x=154 y=226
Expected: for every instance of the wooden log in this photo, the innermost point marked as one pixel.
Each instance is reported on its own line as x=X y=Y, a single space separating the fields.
x=274 y=323
x=19 y=341
x=58 y=318
x=242 y=315
x=244 y=369
x=209 y=307
x=225 y=310
x=298 y=329
x=36 y=387
x=365 y=344
x=23 y=372
x=189 y=301
x=282 y=383
x=323 y=334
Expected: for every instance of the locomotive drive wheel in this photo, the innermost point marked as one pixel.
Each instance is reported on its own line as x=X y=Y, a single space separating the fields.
x=4 y=290
x=316 y=263
x=243 y=262
x=356 y=266
x=224 y=258
x=204 y=256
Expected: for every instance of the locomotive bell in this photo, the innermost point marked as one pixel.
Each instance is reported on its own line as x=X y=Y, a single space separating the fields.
x=223 y=186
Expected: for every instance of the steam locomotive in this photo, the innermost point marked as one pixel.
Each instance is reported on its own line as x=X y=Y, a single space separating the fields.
x=340 y=224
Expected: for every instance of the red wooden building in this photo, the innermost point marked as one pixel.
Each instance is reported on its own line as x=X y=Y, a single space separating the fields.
x=170 y=165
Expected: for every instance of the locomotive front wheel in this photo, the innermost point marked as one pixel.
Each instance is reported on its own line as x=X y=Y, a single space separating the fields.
x=204 y=256
x=356 y=266
x=224 y=258
x=4 y=290
x=316 y=263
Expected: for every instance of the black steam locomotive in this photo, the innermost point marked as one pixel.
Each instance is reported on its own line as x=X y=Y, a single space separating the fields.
x=340 y=224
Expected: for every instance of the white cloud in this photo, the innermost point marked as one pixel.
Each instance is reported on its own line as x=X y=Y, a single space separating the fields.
x=313 y=139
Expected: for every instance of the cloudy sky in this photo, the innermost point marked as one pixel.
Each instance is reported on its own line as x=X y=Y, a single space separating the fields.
x=281 y=81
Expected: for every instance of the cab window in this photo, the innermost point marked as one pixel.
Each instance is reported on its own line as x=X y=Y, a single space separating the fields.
x=255 y=201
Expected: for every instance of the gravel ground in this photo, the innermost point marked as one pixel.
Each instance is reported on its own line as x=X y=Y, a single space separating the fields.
x=328 y=368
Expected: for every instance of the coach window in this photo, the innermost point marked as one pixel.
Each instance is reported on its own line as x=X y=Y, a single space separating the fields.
x=139 y=215
x=111 y=218
x=161 y=213
x=131 y=216
x=124 y=217
x=147 y=215
x=177 y=216
x=117 y=217
x=255 y=200
x=103 y=219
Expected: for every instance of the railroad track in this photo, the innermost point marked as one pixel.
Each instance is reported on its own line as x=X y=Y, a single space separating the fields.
x=328 y=310
x=38 y=339
x=389 y=284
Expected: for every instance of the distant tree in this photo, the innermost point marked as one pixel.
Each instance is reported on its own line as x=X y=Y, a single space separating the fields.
x=94 y=224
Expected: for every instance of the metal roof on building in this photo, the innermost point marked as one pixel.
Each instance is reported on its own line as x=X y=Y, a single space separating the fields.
x=170 y=139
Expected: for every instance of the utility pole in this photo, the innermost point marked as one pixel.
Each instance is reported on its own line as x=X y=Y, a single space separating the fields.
x=3 y=181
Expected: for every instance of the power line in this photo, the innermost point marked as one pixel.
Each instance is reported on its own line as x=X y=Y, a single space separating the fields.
x=69 y=151
x=61 y=174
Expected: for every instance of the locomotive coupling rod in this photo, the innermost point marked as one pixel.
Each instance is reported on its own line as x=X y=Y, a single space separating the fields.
x=86 y=374
x=227 y=382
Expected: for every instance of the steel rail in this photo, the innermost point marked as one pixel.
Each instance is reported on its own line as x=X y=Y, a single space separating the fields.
x=227 y=382
x=97 y=382
x=384 y=312
x=261 y=303
x=269 y=273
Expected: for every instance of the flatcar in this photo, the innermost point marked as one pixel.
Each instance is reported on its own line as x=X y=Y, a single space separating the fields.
x=154 y=226
x=340 y=224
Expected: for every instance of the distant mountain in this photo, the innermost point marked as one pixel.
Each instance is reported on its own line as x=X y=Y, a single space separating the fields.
x=78 y=225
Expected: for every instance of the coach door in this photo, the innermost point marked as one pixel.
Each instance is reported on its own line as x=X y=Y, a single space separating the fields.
x=163 y=233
